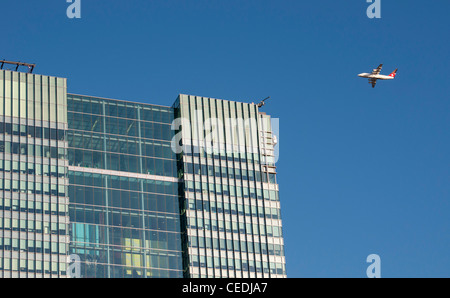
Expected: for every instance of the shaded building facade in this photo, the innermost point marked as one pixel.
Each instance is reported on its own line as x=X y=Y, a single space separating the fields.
x=123 y=190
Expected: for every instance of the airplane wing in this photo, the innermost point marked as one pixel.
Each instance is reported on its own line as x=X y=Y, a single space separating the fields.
x=373 y=82
x=377 y=70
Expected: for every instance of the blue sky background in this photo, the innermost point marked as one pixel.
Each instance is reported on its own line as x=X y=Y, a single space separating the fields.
x=361 y=170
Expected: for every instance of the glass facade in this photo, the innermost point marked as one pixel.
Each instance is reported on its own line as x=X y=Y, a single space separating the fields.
x=231 y=209
x=123 y=189
x=33 y=176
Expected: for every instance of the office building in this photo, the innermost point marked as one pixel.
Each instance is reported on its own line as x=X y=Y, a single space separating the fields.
x=34 y=203
x=231 y=210
x=95 y=187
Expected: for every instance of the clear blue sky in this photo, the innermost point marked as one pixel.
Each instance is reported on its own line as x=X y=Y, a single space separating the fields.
x=361 y=170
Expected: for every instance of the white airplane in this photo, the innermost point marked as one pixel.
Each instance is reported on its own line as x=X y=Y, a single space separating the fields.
x=375 y=75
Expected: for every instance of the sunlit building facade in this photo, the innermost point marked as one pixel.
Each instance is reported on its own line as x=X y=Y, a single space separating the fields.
x=231 y=207
x=94 y=187
x=34 y=217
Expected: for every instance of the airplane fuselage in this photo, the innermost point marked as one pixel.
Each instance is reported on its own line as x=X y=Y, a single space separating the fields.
x=375 y=76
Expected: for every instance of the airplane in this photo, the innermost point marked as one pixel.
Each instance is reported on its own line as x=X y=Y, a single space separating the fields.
x=375 y=75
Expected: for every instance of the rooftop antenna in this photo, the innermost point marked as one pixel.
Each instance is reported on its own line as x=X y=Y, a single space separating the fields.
x=263 y=102
x=18 y=64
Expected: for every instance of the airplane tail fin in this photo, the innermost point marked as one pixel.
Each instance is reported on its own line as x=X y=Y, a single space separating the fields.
x=393 y=73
